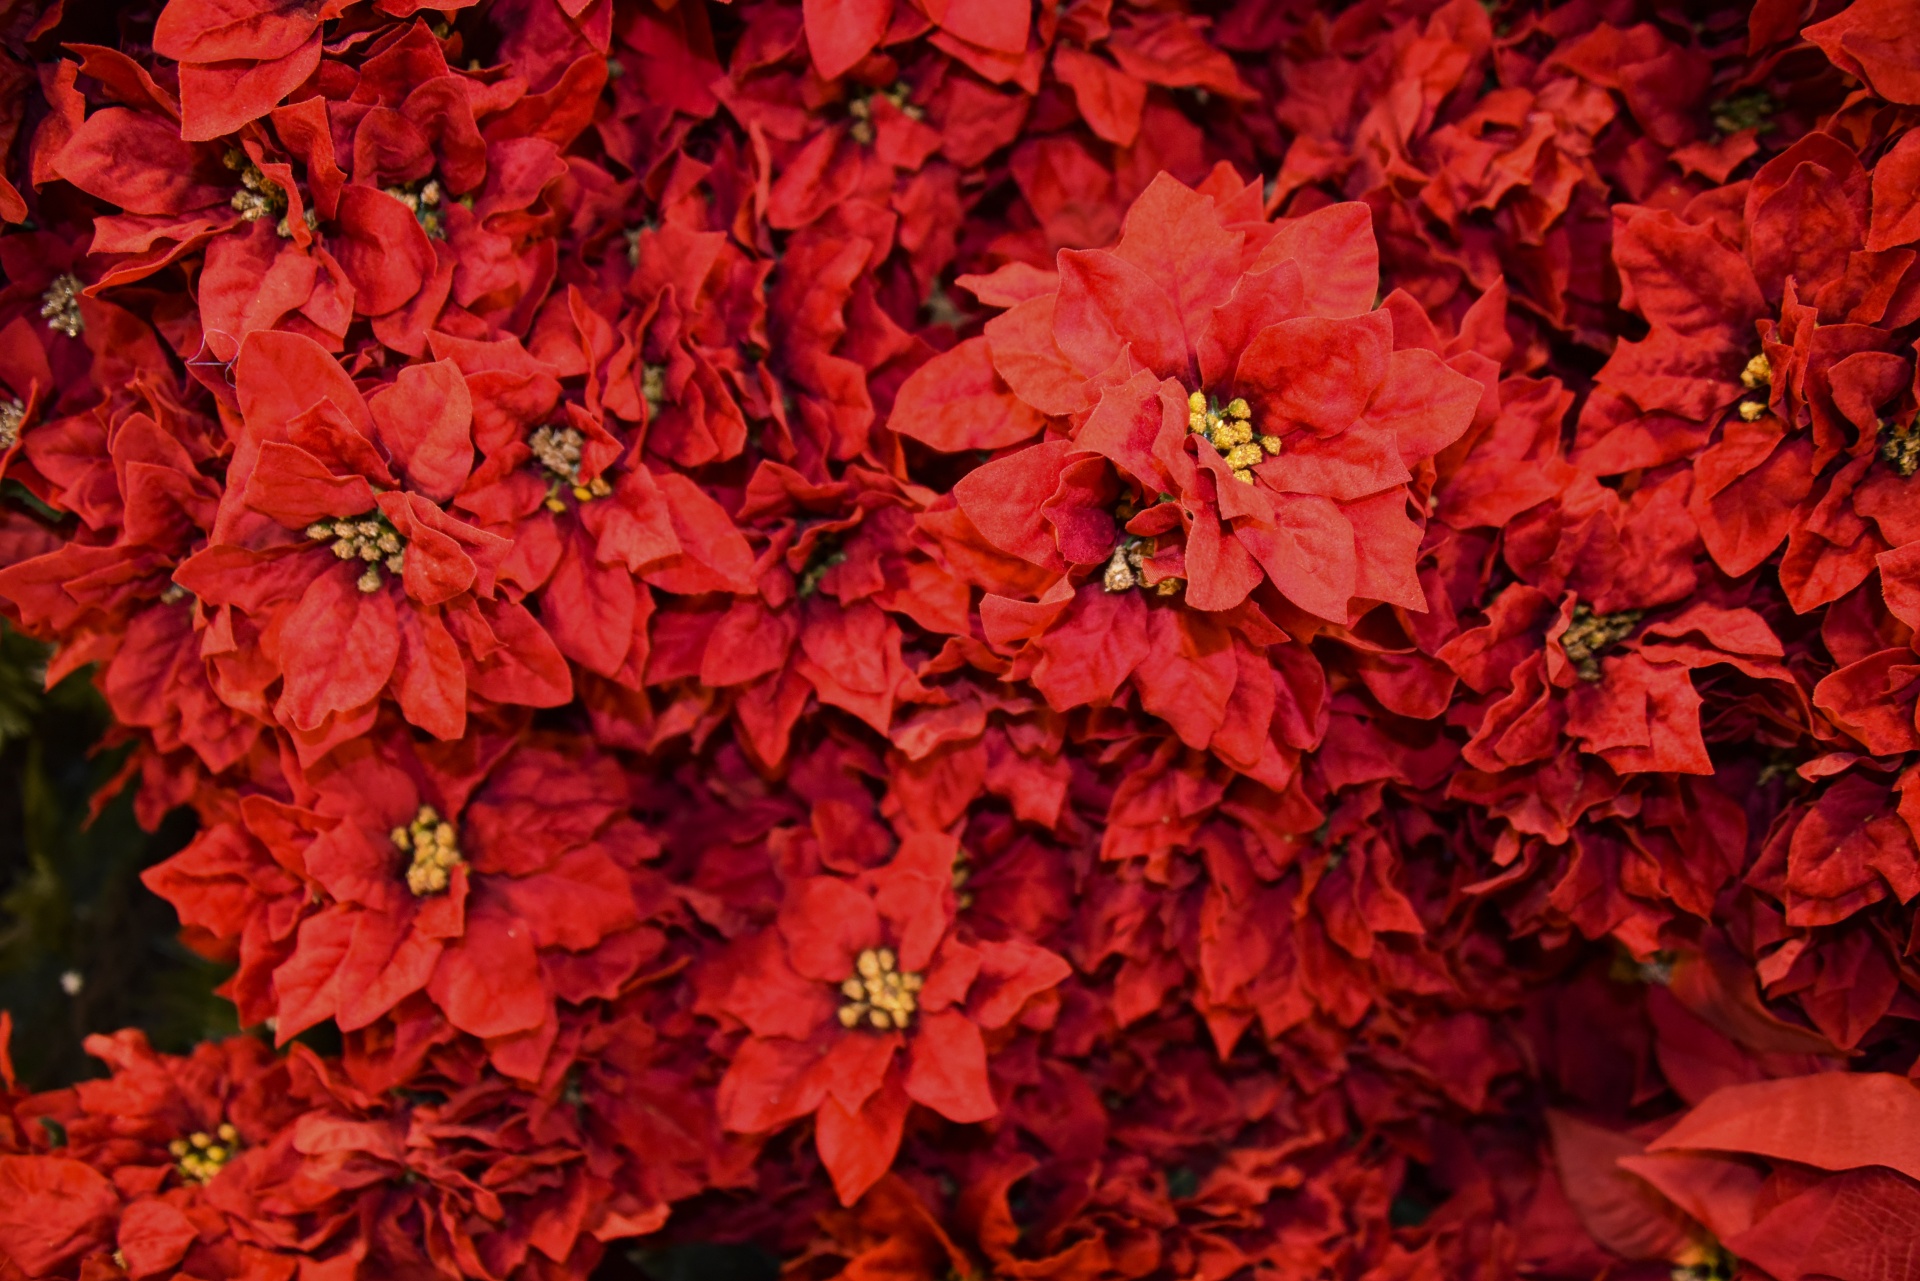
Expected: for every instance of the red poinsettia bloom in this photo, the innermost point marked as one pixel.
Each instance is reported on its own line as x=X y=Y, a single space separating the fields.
x=1222 y=408
x=1778 y=365
x=855 y=971
x=439 y=886
x=335 y=567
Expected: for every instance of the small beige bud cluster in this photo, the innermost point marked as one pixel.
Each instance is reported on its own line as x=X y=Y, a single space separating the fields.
x=173 y=594
x=557 y=449
x=1230 y=430
x=429 y=201
x=430 y=840
x=200 y=1155
x=369 y=539
x=60 y=305
x=879 y=995
x=962 y=873
x=861 y=109
x=1900 y=446
x=12 y=414
x=1757 y=374
x=1128 y=568
x=653 y=389
x=259 y=196
x=1588 y=634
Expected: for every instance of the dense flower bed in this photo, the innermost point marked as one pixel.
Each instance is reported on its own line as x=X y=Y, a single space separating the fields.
x=1095 y=640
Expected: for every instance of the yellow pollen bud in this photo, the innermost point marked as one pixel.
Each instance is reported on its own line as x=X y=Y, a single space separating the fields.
x=433 y=849
x=1245 y=456
x=878 y=994
x=1270 y=443
x=1244 y=476
x=1197 y=402
x=1238 y=408
x=1758 y=373
x=1752 y=410
x=198 y=1157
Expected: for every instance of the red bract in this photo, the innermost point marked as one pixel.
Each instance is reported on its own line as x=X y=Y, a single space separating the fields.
x=853 y=972
x=466 y=886
x=337 y=570
x=810 y=623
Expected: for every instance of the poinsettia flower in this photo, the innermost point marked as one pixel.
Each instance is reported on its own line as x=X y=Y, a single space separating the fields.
x=335 y=567
x=594 y=526
x=841 y=593
x=855 y=971
x=1773 y=367
x=1226 y=418
x=493 y=882
x=149 y=1162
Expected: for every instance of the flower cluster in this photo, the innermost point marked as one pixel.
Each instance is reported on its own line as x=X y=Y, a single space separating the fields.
x=1118 y=641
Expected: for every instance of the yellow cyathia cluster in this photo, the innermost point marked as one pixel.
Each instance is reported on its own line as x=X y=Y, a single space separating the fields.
x=1588 y=634
x=259 y=196
x=878 y=994
x=653 y=388
x=430 y=839
x=60 y=305
x=861 y=109
x=12 y=414
x=200 y=1155
x=1230 y=430
x=1128 y=568
x=367 y=538
x=429 y=201
x=1757 y=374
x=962 y=873
x=1900 y=446
x=558 y=450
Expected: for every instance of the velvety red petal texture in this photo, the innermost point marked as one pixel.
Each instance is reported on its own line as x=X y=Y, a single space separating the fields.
x=946 y=638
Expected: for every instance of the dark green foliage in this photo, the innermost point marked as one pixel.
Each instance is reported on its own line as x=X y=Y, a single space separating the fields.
x=73 y=914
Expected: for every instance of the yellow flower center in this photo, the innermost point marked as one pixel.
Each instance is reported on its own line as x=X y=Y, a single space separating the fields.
x=1589 y=634
x=428 y=200
x=1757 y=374
x=879 y=995
x=962 y=873
x=430 y=840
x=861 y=109
x=60 y=305
x=1229 y=429
x=12 y=414
x=259 y=196
x=558 y=450
x=1127 y=567
x=369 y=539
x=200 y=1155
x=1900 y=446
x=653 y=386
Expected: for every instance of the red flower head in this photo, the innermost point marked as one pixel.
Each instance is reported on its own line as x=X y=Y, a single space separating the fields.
x=442 y=886
x=854 y=971
x=1229 y=429
x=336 y=568
x=150 y=1167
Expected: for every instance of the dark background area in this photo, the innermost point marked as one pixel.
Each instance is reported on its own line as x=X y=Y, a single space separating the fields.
x=73 y=913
